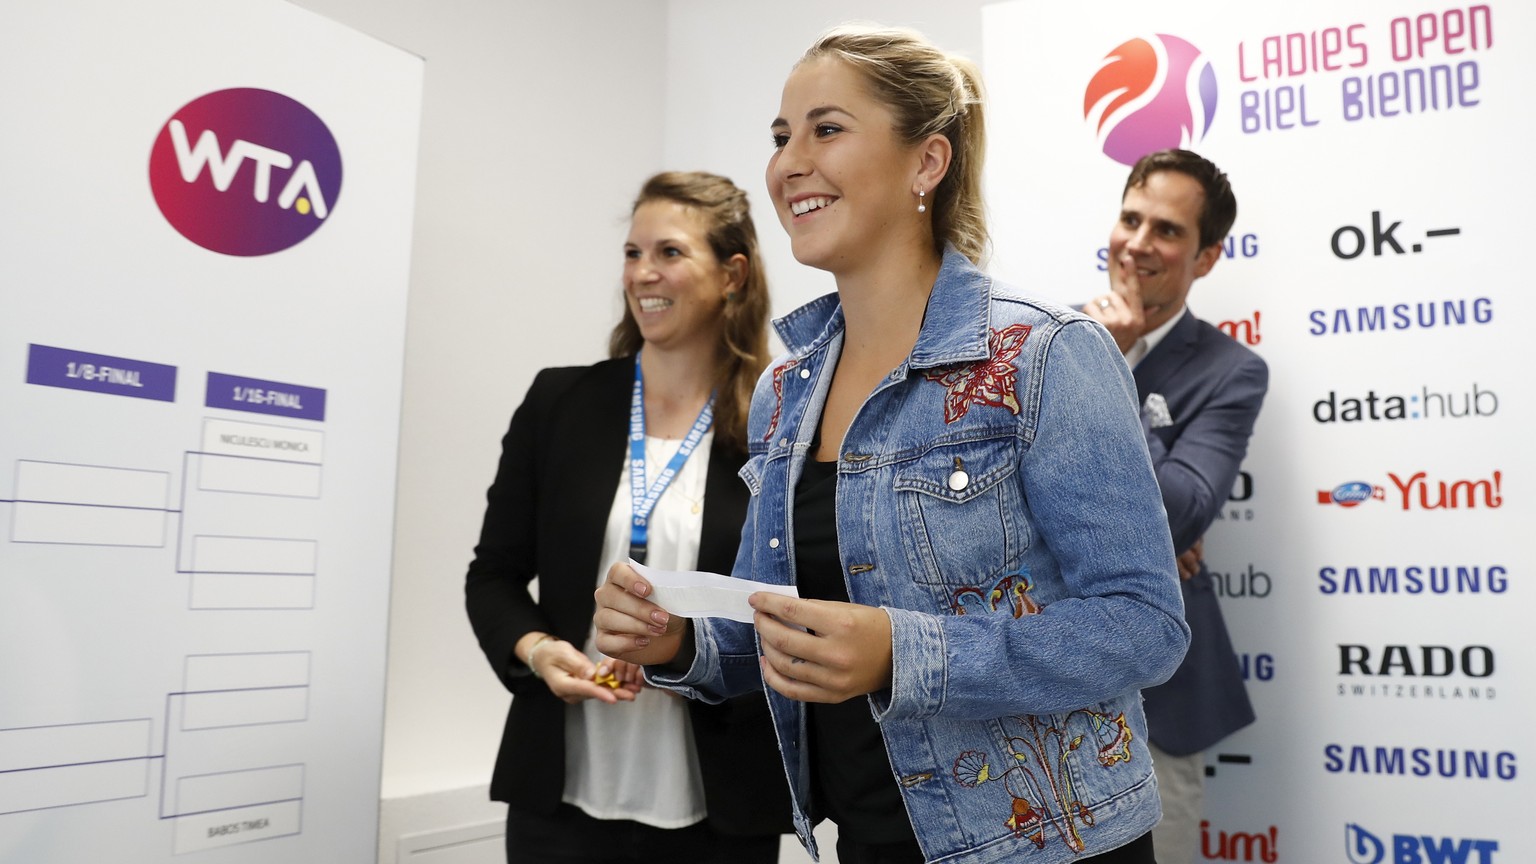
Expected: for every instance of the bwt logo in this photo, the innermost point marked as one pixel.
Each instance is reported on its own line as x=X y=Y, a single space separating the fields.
x=1145 y=94
x=1363 y=847
x=216 y=163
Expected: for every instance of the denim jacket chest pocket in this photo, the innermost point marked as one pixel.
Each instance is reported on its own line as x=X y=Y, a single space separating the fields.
x=960 y=508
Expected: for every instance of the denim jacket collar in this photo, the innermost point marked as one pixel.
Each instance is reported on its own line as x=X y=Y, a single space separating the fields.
x=954 y=324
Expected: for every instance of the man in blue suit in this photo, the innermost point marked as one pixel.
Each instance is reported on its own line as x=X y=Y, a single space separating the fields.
x=1200 y=393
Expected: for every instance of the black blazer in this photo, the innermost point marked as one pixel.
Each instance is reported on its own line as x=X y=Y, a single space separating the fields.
x=545 y=517
x=1213 y=388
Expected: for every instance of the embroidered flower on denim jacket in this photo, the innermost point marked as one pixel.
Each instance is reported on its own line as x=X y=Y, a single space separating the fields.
x=985 y=382
x=778 y=396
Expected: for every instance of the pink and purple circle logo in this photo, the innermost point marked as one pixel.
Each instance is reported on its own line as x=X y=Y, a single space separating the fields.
x=245 y=171
x=1145 y=96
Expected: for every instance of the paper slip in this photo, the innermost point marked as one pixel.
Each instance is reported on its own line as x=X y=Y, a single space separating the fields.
x=693 y=594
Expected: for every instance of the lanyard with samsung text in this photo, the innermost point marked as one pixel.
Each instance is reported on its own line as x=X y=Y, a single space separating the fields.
x=643 y=500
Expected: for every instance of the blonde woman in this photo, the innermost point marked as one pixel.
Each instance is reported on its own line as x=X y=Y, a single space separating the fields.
x=955 y=477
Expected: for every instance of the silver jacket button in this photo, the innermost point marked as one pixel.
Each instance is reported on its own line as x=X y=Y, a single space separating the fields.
x=958 y=480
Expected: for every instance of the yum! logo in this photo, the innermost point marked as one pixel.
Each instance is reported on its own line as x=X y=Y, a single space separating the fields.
x=245 y=171
x=1217 y=845
x=1418 y=491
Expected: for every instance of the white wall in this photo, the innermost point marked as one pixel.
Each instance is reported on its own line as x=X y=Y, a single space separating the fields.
x=540 y=120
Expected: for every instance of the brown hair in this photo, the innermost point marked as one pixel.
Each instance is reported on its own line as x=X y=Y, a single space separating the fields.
x=1220 y=208
x=742 y=350
x=928 y=92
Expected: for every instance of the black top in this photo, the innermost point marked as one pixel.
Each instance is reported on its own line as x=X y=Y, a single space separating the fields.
x=851 y=778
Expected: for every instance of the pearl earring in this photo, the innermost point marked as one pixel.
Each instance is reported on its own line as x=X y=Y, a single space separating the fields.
x=921 y=207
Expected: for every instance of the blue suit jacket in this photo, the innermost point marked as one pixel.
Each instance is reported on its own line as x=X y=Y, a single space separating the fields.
x=1213 y=387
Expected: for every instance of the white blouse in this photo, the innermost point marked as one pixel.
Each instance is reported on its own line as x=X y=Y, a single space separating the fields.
x=636 y=760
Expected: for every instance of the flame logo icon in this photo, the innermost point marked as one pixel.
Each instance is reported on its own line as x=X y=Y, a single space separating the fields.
x=1145 y=96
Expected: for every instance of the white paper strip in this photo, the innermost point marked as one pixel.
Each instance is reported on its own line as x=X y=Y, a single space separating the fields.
x=694 y=594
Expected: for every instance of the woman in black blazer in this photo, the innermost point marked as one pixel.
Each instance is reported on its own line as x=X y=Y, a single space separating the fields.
x=571 y=764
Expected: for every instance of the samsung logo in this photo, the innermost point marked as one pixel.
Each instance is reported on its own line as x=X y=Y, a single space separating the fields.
x=1459 y=579
x=1421 y=762
x=1400 y=316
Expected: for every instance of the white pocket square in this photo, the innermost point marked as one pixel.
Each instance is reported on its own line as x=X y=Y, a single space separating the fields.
x=1155 y=410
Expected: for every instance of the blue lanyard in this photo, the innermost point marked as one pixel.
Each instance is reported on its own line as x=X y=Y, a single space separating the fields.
x=643 y=500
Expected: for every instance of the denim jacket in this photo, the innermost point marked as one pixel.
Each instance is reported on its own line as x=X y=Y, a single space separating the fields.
x=995 y=497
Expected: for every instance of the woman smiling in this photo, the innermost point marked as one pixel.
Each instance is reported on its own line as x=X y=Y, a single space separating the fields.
x=954 y=476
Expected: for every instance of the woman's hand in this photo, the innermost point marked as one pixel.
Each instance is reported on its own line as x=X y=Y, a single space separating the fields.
x=845 y=653
x=569 y=675
x=630 y=676
x=631 y=628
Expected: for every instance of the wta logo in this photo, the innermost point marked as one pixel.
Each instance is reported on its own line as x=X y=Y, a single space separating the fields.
x=245 y=171
x=1145 y=97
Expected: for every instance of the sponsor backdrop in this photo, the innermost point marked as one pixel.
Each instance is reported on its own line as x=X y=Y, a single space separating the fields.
x=205 y=218
x=1375 y=554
